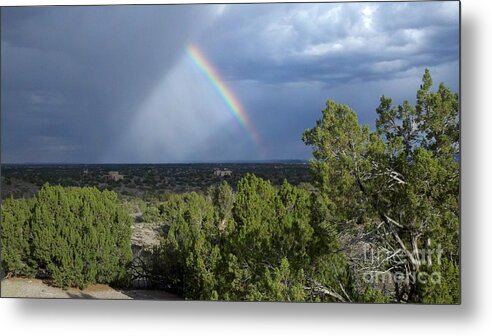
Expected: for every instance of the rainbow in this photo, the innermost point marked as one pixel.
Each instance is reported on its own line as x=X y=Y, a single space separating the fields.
x=225 y=93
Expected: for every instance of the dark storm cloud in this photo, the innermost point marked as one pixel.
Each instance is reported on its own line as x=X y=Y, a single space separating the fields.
x=72 y=76
x=109 y=83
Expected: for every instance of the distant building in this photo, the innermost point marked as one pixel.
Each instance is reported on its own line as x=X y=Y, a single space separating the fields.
x=222 y=172
x=115 y=176
x=86 y=171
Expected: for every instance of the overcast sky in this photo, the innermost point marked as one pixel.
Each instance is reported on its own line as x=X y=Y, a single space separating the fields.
x=115 y=84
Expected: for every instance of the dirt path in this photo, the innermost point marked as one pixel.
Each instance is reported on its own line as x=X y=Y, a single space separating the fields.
x=35 y=288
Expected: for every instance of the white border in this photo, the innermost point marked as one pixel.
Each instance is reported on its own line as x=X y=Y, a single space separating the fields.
x=70 y=317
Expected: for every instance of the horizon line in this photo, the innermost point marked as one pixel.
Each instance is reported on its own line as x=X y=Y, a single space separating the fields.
x=157 y=163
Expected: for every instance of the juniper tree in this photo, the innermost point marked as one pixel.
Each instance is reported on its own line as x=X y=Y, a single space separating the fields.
x=274 y=246
x=16 y=237
x=275 y=252
x=189 y=254
x=400 y=182
x=80 y=236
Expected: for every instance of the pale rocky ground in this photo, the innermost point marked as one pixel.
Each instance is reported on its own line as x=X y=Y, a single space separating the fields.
x=146 y=234
x=35 y=288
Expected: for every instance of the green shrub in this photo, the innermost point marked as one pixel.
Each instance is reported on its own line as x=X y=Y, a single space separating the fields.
x=15 y=235
x=190 y=254
x=260 y=243
x=442 y=283
x=151 y=214
x=79 y=236
x=372 y=295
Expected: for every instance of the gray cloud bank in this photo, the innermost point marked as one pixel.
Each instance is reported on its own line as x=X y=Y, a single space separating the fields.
x=113 y=84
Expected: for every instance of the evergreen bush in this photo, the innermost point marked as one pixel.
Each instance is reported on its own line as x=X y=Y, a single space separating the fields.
x=78 y=236
x=15 y=237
